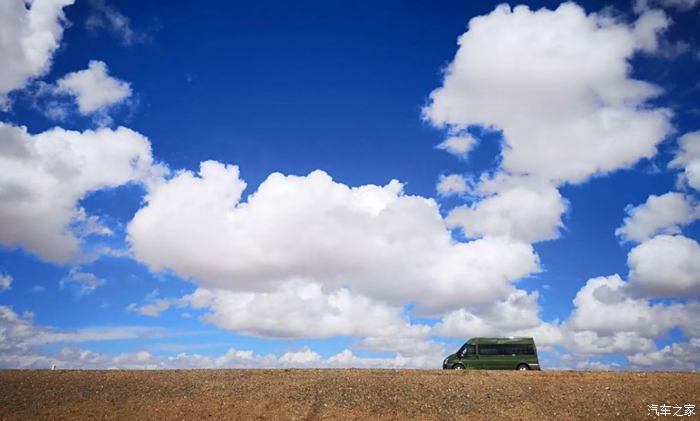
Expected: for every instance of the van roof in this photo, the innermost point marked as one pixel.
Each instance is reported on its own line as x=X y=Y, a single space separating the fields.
x=503 y=340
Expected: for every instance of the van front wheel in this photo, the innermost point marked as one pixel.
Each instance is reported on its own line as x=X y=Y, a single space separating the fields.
x=523 y=367
x=458 y=367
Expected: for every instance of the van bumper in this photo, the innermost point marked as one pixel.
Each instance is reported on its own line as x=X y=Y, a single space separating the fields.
x=534 y=367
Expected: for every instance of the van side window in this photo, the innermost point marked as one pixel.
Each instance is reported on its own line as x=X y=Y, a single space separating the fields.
x=470 y=350
x=488 y=350
x=509 y=349
x=517 y=350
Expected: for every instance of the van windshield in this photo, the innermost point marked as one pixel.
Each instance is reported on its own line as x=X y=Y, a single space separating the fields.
x=467 y=350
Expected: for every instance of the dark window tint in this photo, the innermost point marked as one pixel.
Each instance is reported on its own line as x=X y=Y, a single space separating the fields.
x=517 y=350
x=488 y=350
x=507 y=349
x=497 y=349
x=470 y=350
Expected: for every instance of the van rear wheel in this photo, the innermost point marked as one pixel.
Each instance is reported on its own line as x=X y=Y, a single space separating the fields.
x=523 y=367
x=458 y=367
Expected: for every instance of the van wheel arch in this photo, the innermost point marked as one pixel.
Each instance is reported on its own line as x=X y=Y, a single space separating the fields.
x=522 y=367
x=458 y=366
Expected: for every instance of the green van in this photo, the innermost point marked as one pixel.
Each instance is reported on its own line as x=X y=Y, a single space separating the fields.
x=495 y=354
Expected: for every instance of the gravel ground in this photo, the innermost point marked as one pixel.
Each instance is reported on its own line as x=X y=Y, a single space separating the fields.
x=339 y=394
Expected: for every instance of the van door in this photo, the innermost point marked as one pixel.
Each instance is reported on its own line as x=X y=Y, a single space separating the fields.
x=512 y=356
x=468 y=358
x=489 y=358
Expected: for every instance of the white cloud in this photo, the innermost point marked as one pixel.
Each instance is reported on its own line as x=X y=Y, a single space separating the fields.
x=407 y=346
x=300 y=309
x=151 y=309
x=451 y=184
x=85 y=282
x=304 y=357
x=648 y=27
x=105 y=16
x=557 y=84
x=346 y=359
x=31 y=32
x=43 y=336
x=19 y=334
x=681 y=5
x=597 y=366
x=665 y=266
x=524 y=213
x=93 y=88
x=603 y=306
x=518 y=311
x=375 y=241
x=458 y=145
x=5 y=282
x=45 y=175
x=676 y=356
x=589 y=343
x=606 y=319
x=518 y=315
x=688 y=158
x=74 y=358
x=22 y=346
x=660 y=214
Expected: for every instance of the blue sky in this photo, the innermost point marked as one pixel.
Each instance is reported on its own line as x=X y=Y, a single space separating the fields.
x=320 y=184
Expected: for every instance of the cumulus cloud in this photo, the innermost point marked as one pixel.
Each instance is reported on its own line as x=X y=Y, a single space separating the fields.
x=660 y=214
x=603 y=306
x=458 y=145
x=517 y=315
x=676 y=356
x=524 y=213
x=76 y=358
x=19 y=334
x=648 y=27
x=303 y=357
x=5 y=282
x=85 y=282
x=665 y=266
x=301 y=309
x=31 y=32
x=104 y=16
x=688 y=159
x=373 y=240
x=346 y=359
x=46 y=175
x=597 y=366
x=407 y=346
x=614 y=316
x=22 y=345
x=151 y=309
x=452 y=184
x=93 y=88
x=588 y=343
x=607 y=319
x=557 y=84
x=682 y=5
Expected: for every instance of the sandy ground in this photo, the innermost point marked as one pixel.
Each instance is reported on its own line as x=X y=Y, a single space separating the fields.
x=340 y=394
